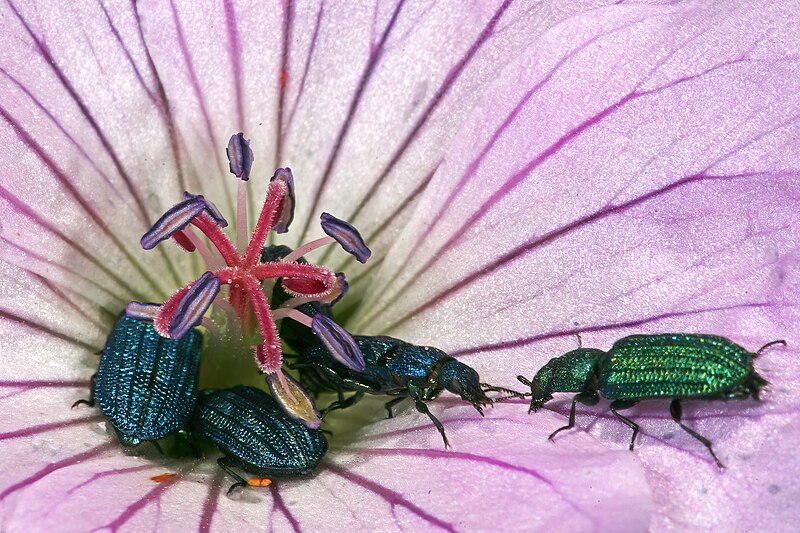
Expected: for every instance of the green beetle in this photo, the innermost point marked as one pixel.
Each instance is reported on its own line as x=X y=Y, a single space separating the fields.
x=641 y=367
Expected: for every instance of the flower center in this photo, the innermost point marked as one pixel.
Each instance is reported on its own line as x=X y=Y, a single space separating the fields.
x=239 y=284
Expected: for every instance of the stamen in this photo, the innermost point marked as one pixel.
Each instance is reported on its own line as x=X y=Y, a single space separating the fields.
x=286 y=212
x=194 y=305
x=240 y=156
x=294 y=314
x=241 y=217
x=211 y=209
x=142 y=311
x=183 y=241
x=308 y=248
x=339 y=343
x=346 y=235
x=293 y=399
x=174 y=220
x=213 y=261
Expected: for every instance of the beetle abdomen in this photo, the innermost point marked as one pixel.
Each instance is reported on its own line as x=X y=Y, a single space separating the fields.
x=673 y=365
x=147 y=384
x=247 y=424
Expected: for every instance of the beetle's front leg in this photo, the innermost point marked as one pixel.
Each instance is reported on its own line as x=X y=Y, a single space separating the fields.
x=422 y=408
x=392 y=403
x=586 y=398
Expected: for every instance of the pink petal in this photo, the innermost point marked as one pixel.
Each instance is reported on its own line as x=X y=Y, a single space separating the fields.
x=633 y=172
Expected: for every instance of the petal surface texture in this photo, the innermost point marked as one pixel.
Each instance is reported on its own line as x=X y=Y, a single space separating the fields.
x=521 y=172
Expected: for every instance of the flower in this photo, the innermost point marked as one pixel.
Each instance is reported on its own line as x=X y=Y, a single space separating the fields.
x=521 y=173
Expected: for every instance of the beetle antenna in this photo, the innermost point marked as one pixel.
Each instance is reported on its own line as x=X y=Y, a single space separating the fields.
x=525 y=381
x=773 y=343
x=580 y=340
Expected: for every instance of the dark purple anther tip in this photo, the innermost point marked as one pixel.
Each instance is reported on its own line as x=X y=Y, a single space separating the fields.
x=343 y=287
x=174 y=220
x=194 y=305
x=240 y=156
x=339 y=343
x=210 y=209
x=346 y=235
x=286 y=215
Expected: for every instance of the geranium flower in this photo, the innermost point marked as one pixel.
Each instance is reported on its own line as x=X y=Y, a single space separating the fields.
x=521 y=172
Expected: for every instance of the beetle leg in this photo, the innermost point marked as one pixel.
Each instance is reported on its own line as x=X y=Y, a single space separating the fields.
x=226 y=463
x=158 y=446
x=676 y=411
x=422 y=408
x=623 y=404
x=91 y=401
x=586 y=398
x=343 y=403
x=392 y=403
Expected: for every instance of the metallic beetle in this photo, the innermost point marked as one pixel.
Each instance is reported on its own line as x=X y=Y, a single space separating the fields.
x=394 y=368
x=256 y=435
x=640 y=367
x=146 y=385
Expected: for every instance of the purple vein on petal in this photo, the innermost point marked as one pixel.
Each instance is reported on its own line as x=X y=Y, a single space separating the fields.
x=306 y=67
x=210 y=504
x=452 y=76
x=387 y=221
x=75 y=144
x=235 y=56
x=374 y=58
x=52 y=426
x=201 y=100
x=109 y=473
x=50 y=262
x=283 y=77
x=58 y=465
x=152 y=496
x=391 y=497
x=67 y=184
x=280 y=506
x=519 y=177
x=165 y=109
x=45 y=329
x=64 y=297
x=491 y=461
x=45 y=53
x=533 y=339
x=554 y=235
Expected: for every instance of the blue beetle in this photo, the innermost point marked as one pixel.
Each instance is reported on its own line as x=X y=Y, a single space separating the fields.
x=249 y=426
x=146 y=384
x=394 y=368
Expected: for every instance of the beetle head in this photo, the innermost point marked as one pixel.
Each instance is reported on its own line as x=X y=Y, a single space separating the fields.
x=463 y=380
x=541 y=391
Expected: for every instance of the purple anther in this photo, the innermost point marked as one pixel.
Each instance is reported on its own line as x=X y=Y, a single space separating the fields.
x=174 y=220
x=294 y=399
x=194 y=305
x=210 y=209
x=339 y=343
x=341 y=281
x=142 y=311
x=240 y=156
x=286 y=214
x=346 y=235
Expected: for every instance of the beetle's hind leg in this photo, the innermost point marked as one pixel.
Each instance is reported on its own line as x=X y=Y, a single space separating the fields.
x=676 y=411
x=625 y=404
x=586 y=398
x=227 y=464
x=343 y=403
x=91 y=401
